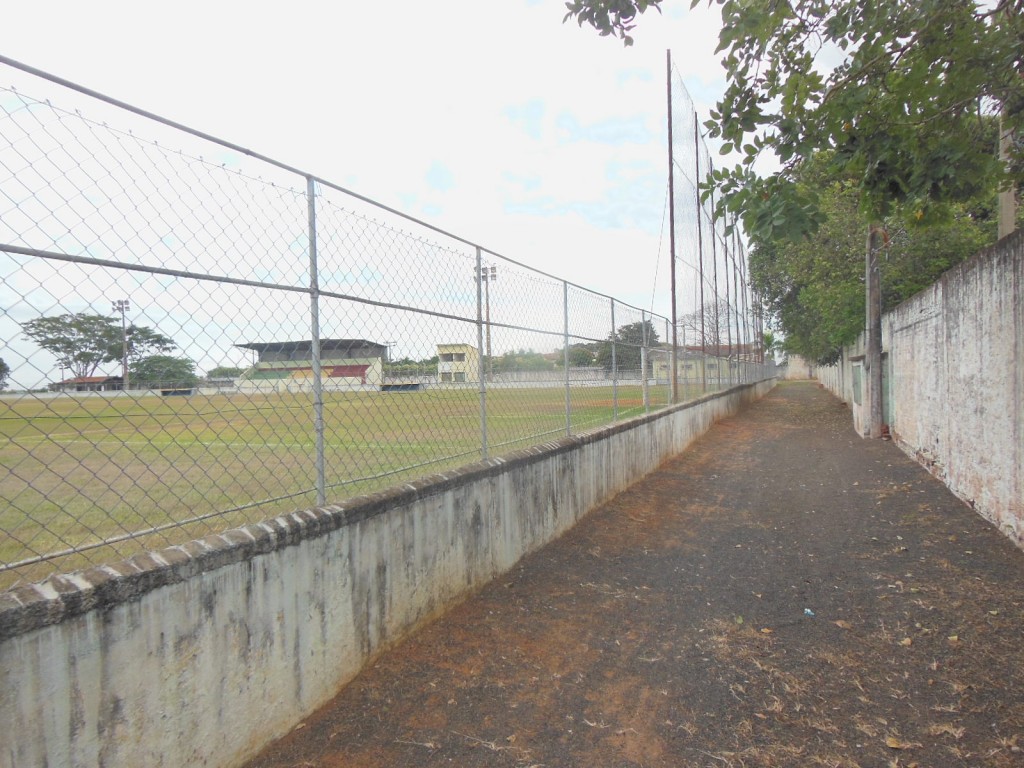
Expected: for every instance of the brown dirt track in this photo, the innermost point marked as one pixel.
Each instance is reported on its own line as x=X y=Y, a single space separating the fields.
x=671 y=626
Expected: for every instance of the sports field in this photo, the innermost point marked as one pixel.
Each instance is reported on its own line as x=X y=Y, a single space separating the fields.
x=81 y=470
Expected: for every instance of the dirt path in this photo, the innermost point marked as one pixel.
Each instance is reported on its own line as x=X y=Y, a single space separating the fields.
x=783 y=594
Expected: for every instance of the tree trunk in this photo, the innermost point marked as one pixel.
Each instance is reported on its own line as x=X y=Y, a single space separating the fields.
x=873 y=353
x=1008 y=195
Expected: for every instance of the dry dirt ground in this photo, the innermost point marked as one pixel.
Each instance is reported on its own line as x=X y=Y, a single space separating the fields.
x=782 y=594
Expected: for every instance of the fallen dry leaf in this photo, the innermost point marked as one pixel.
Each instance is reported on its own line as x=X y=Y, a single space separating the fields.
x=893 y=743
x=906 y=642
x=842 y=624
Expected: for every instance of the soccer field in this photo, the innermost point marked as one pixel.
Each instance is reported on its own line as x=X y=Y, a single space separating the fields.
x=155 y=471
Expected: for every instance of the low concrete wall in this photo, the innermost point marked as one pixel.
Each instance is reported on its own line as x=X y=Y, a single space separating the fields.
x=203 y=654
x=955 y=381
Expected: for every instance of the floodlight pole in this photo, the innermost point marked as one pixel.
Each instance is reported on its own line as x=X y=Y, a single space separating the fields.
x=487 y=276
x=480 y=361
x=122 y=306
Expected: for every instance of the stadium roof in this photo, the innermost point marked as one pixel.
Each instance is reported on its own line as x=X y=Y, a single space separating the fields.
x=306 y=345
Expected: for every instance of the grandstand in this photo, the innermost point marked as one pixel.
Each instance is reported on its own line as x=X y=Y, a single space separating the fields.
x=287 y=366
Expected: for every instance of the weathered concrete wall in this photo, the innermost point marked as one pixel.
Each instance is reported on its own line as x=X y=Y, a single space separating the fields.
x=955 y=383
x=797 y=369
x=202 y=654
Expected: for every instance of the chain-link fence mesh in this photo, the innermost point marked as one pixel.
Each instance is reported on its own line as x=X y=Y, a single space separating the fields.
x=196 y=337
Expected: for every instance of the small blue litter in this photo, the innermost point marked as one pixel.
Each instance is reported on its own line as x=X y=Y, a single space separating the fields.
x=808 y=612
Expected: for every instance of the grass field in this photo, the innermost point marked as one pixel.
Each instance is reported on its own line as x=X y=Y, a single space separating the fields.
x=79 y=471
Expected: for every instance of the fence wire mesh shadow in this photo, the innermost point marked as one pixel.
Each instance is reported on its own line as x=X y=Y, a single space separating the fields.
x=196 y=337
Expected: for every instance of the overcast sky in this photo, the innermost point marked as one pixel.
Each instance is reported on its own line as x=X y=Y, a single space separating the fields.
x=491 y=119
x=539 y=140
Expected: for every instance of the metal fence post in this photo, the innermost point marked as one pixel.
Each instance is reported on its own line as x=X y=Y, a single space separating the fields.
x=673 y=390
x=644 y=384
x=565 y=347
x=314 y=348
x=483 y=364
x=615 y=371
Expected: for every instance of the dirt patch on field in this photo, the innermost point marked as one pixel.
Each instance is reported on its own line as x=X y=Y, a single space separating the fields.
x=783 y=594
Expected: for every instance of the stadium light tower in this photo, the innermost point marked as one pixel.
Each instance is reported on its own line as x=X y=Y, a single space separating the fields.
x=122 y=306
x=488 y=275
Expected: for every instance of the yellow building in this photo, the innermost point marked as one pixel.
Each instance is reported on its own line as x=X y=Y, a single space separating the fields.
x=458 y=363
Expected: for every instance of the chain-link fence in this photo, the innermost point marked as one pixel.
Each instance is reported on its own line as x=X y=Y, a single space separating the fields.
x=196 y=337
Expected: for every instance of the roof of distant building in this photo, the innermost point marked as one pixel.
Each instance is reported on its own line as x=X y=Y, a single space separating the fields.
x=305 y=345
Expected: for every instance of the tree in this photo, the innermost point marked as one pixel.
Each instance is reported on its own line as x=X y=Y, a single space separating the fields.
x=813 y=288
x=610 y=17
x=709 y=328
x=771 y=344
x=224 y=372
x=408 y=367
x=522 y=360
x=899 y=107
x=899 y=113
x=5 y=372
x=163 y=371
x=581 y=355
x=629 y=340
x=82 y=342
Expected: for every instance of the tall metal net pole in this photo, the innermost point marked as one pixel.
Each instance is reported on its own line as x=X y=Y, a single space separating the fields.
x=700 y=259
x=737 y=299
x=714 y=287
x=746 y=299
x=728 y=311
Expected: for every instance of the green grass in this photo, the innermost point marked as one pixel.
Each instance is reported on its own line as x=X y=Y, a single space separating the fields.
x=78 y=471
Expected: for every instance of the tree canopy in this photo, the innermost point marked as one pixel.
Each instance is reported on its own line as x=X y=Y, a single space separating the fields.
x=629 y=341
x=813 y=288
x=710 y=326
x=5 y=372
x=581 y=355
x=224 y=372
x=522 y=360
x=894 y=90
x=610 y=17
x=156 y=371
x=82 y=342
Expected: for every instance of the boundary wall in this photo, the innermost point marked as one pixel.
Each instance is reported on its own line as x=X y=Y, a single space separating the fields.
x=954 y=381
x=202 y=654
